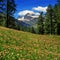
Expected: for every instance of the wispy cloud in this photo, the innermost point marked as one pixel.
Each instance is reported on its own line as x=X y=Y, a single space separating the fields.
x=37 y=13
x=24 y=12
x=40 y=8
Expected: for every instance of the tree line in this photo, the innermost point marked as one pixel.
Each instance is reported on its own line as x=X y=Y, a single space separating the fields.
x=7 y=10
x=48 y=23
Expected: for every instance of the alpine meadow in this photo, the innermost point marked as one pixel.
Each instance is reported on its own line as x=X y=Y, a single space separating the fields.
x=29 y=29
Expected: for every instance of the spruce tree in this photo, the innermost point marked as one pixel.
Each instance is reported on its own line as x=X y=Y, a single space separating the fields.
x=40 y=24
x=57 y=15
x=32 y=30
x=11 y=8
x=2 y=12
x=51 y=21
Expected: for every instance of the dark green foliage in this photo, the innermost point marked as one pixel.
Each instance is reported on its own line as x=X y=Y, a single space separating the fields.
x=57 y=12
x=2 y=6
x=40 y=24
x=47 y=24
x=11 y=8
x=2 y=19
x=2 y=12
x=32 y=30
x=7 y=9
x=50 y=22
x=12 y=22
x=2 y=22
x=17 y=26
x=58 y=29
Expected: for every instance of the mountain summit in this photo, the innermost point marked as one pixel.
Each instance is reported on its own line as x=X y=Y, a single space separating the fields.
x=29 y=18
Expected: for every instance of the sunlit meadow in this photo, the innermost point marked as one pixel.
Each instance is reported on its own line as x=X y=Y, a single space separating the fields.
x=19 y=45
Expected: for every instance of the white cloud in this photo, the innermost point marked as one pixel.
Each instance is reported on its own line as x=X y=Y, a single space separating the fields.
x=37 y=14
x=39 y=8
x=22 y=13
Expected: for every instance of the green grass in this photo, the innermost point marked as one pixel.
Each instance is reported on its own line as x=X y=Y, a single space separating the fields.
x=19 y=45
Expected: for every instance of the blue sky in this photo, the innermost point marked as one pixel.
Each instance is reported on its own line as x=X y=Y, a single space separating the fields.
x=23 y=5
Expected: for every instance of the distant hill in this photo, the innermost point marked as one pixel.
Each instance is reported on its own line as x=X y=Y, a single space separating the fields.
x=19 y=45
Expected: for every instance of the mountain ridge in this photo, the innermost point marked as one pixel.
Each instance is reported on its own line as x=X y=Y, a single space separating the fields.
x=30 y=19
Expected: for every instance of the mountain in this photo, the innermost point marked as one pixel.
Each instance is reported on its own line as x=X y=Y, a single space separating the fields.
x=29 y=19
x=24 y=24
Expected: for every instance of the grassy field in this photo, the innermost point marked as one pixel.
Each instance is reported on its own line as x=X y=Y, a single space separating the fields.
x=19 y=45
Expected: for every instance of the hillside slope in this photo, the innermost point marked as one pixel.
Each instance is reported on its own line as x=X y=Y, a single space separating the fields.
x=19 y=45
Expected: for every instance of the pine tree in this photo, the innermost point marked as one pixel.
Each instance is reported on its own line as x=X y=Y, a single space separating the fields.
x=48 y=22
x=11 y=8
x=1 y=6
x=40 y=24
x=57 y=15
x=32 y=30
x=2 y=12
x=51 y=21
